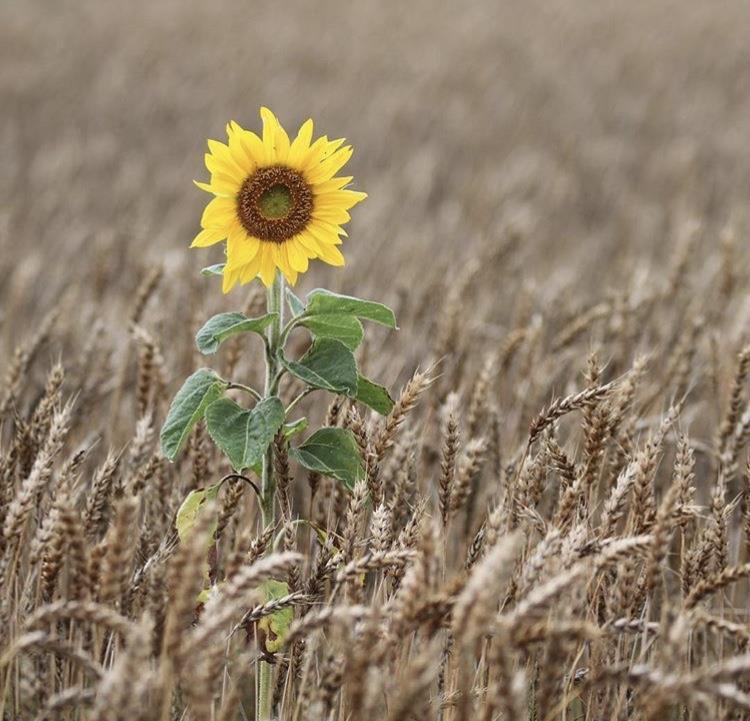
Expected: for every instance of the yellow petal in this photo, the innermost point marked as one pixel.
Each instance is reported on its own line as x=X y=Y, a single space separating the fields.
x=231 y=278
x=234 y=128
x=331 y=255
x=282 y=262
x=241 y=247
x=219 y=213
x=253 y=146
x=343 y=199
x=223 y=155
x=239 y=150
x=332 y=184
x=298 y=259
x=332 y=146
x=221 y=184
x=279 y=257
x=336 y=216
x=249 y=272
x=267 y=268
x=208 y=236
x=282 y=144
x=314 y=154
x=291 y=277
x=322 y=234
x=328 y=167
x=308 y=243
x=243 y=157
x=301 y=144
x=219 y=149
x=328 y=228
x=275 y=139
x=205 y=186
x=221 y=167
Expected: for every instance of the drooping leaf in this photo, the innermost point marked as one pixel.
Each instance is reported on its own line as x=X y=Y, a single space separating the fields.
x=329 y=365
x=188 y=512
x=216 y=269
x=205 y=595
x=341 y=327
x=244 y=435
x=222 y=326
x=276 y=625
x=374 y=396
x=295 y=304
x=320 y=532
x=332 y=452
x=197 y=393
x=322 y=301
x=294 y=427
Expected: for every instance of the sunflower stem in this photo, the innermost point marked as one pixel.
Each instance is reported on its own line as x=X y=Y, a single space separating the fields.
x=265 y=686
x=275 y=304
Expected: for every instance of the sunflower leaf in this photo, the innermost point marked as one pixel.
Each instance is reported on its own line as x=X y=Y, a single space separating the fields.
x=197 y=393
x=217 y=329
x=374 y=396
x=341 y=327
x=275 y=625
x=321 y=301
x=244 y=435
x=295 y=304
x=328 y=365
x=332 y=452
x=188 y=512
x=294 y=427
x=216 y=269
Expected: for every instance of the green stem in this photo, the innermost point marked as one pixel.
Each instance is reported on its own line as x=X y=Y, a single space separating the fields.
x=246 y=389
x=298 y=399
x=293 y=323
x=265 y=690
x=275 y=304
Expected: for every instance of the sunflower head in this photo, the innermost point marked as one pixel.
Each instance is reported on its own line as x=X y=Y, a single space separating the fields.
x=278 y=202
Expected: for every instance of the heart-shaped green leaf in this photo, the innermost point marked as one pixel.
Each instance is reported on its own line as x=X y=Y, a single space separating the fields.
x=244 y=435
x=322 y=301
x=329 y=365
x=341 y=327
x=332 y=452
x=197 y=393
x=217 y=329
x=374 y=396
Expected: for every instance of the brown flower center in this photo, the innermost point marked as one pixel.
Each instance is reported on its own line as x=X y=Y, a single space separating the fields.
x=274 y=204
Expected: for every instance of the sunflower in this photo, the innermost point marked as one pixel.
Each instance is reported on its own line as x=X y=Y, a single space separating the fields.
x=278 y=203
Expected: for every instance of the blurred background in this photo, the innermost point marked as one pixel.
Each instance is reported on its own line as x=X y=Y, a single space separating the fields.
x=591 y=132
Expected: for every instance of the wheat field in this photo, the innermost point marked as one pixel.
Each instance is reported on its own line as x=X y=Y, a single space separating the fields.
x=555 y=519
